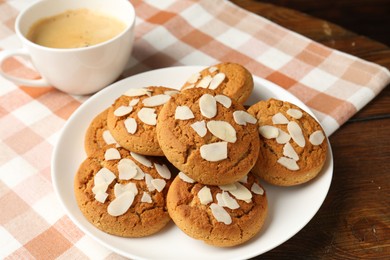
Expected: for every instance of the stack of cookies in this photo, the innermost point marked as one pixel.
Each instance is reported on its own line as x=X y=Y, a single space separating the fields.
x=194 y=156
x=122 y=186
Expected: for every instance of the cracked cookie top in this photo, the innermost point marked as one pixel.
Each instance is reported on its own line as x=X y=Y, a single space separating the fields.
x=223 y=216
x=123 y=193
x=208 y=136
x=294 y=146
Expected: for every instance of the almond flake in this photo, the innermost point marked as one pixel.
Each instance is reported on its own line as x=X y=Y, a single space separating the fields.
x=212 y=69
x=189 y=86
x=183 y=113
x=121 y=188
x=101 y=197
x=217 y=80
x=163 y=171
x=185 y=178
x=317 y=137
x=194 y=78
x=121 y=204
x=204 y=82
x=283 y=137
x=131 y=125
x=148 y=116
x=241 y=193
x=214 y=152
x=140 y=174
x=223 y=130
x=105 y=176
x=228 y=187
x=205 y=196
x=230 y=202
x=99 y=188
x=220 y=214
x=241 y=117
x=257 y=189
x=244 y=179
x=156 y=100
x=158 y=184
x=289 y=152
x=279 y=118
x=296 y=133
x=133 y=102
x=141 y=159
x=128 y=174
x=148 y=181
x=171 y=92
x=223 y=100
x=289 y=163
x=108 y=138
x=111 y=154
x=268 y=131
x=146 y=198
x=208 y=106
x=220 y=200
x=127 y=169
x=123 y=110
x=295 y=113
x=200 y=128
x=136 y=92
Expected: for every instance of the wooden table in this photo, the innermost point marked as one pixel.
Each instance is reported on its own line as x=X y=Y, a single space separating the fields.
x=354 y=221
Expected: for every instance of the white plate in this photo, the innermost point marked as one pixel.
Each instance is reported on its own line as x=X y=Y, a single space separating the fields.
x=290 y=209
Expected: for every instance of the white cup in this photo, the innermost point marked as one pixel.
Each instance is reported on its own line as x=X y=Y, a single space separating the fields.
x=76 y=71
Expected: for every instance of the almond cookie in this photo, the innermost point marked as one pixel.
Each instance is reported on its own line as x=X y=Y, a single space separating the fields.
x=132 y=119
x=98 y=135
x=294 y=146
x=123 y=193
x=222 y=216
x=230 y=79
x=208 y=136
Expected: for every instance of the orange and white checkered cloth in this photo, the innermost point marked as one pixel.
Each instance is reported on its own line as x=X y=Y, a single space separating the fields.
x=168 y=33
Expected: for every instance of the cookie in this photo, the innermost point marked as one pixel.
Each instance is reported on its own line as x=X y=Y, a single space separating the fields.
x=97 y=134
x=222 y=216
x=123 y=193
x=294 y=147
x=230 y=79
x=208 y=136
x=133 y=116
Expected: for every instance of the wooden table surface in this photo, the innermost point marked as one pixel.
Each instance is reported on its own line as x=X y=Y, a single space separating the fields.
x=354 y=221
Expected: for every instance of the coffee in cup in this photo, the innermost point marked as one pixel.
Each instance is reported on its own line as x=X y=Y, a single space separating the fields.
x=75 y=29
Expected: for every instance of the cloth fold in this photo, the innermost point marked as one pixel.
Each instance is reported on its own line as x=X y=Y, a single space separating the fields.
x=334 y=85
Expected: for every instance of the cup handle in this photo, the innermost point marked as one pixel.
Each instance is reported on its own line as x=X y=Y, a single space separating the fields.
x=20 y=81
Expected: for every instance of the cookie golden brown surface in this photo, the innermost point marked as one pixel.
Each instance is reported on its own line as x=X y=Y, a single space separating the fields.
x=123 y=194
x=208 y=136
x=222 y=216
x=293 y=146
x=230 y=79
x=98 y=135
x=133 y=116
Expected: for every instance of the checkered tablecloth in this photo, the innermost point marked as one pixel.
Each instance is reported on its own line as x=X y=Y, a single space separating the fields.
x=168 y=33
